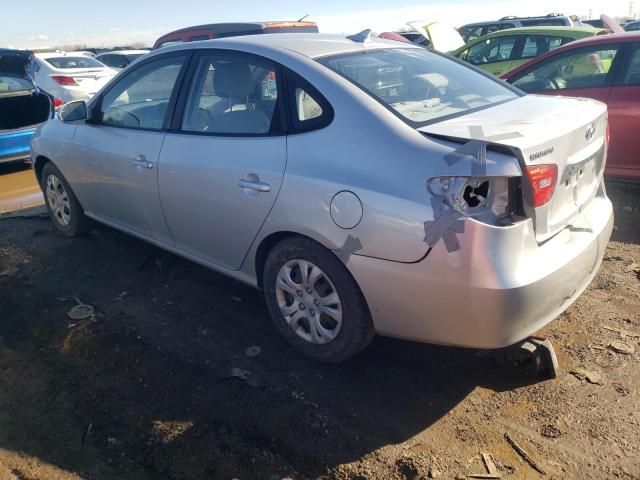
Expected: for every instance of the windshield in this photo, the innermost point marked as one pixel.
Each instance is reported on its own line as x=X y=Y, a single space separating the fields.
x=419 y=85
x=74 y=62
x=14 y=84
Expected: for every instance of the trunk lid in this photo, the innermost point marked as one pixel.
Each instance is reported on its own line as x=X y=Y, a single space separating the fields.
x=443 y=37
x=567 y=132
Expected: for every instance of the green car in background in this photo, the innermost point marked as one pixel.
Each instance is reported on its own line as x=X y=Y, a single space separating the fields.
x=502 y=51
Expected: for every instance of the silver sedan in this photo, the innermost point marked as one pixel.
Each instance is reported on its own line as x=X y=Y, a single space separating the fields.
x=364 y=185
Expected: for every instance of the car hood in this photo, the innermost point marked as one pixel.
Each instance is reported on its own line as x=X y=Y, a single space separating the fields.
x=15 y=62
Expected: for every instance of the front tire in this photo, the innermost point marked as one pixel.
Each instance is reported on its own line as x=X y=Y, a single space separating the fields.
x=65 y=210
x=315 y=302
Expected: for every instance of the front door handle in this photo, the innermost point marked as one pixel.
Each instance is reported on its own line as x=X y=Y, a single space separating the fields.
x=256 y=185
x=141 y=161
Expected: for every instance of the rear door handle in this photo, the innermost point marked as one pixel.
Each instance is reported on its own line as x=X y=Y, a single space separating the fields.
x=141 y=161
x=254 y=185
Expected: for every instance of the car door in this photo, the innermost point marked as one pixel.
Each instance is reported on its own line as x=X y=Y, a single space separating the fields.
x=116 y=165
x=624 y=116
x=222 y=164
x=493 y=54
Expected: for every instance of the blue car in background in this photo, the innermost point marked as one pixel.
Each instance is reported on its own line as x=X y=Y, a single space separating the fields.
x=23 y=106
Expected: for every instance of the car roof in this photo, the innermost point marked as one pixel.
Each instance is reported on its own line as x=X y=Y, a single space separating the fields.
x=123 y=52
x=598 y=40
x=45 y=55
x=510 y=19
x=311 y=45
x=572 y=31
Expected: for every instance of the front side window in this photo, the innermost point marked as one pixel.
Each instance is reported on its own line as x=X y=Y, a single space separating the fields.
x=419 y=85
x=232 y=96
x=74 y=62
x=492 y=50
x=140 y=99
x=585 y=68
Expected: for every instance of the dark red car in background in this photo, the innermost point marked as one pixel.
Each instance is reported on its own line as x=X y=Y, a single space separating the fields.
x=605 y=68
x=220 y=30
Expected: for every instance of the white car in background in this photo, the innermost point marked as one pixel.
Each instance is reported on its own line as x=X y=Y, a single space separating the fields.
x=120 y=59
x=70 y=76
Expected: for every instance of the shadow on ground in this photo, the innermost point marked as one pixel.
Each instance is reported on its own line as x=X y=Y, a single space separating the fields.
x=145 y=389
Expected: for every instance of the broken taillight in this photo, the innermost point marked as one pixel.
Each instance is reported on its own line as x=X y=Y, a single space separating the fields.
x=64 y=80
x=57 y=103
x=543 y=179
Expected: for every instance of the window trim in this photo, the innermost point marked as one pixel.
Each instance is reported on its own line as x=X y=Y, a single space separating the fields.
x=181 y=103
x=96 y=107
x=612 y=74
x=293 y=81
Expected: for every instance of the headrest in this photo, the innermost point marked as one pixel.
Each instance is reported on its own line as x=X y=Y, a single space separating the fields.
x=421 y=84
x=233 y=80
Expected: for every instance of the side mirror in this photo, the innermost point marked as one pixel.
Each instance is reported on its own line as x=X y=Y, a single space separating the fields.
x=74 y=111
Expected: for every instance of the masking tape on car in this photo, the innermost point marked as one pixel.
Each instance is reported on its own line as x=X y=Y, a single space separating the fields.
x=350 y=246
x=476 y=149
x=446 y=224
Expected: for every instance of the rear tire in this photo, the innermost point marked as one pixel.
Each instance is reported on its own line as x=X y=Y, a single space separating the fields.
x=63 y=206
x=314 y=301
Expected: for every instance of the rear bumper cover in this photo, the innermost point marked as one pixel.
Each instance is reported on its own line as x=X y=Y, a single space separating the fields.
x=499 y=288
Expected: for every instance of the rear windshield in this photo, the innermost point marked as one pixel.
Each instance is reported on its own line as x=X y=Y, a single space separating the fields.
x=74 y=62
x=14 y=84
x=419 y=85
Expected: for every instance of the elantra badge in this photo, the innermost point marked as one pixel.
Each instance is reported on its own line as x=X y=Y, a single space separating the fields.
x=591 y=131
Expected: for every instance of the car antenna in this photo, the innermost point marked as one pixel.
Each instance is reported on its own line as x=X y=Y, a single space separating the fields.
x=363 y=36
x=301 y=19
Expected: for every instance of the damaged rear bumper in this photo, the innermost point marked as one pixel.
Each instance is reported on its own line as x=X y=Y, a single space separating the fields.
x=500 y=287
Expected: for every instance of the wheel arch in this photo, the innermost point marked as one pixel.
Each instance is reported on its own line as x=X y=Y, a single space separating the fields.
x=266 y=245
x=38 y=164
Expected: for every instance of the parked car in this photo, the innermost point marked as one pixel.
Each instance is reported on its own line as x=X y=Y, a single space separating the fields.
x=471 y=31
x=436 y=35
x=120 y=59
x=502 y=51
x=70 y=77
x=221 y=30
x=23 y=106
x=366 y=185
x=602 y=68
x=632 y=26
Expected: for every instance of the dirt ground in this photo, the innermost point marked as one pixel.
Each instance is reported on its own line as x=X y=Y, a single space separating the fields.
x=145 y=388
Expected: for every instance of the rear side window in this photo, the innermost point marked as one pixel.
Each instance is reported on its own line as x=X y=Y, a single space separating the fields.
x=535 y=45
x=308 y=108
x=557 y=22
x=584 y=68
x=141 y=99
x=232 y=95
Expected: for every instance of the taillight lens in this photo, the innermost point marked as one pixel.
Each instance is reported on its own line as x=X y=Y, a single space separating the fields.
x=543 y=179
x=57 y=103
x=607 y=135
x=64 y=80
